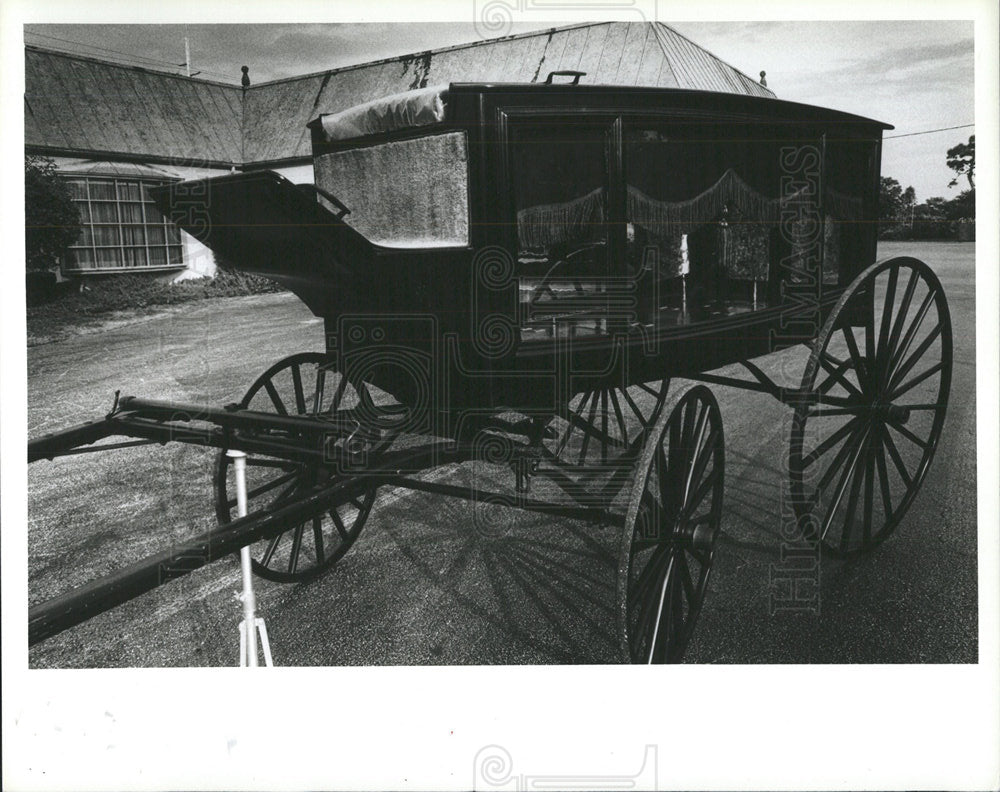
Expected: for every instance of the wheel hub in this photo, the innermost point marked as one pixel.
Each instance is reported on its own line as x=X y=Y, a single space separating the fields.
x=891 y=413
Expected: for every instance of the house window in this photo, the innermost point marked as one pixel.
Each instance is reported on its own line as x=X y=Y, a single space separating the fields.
x=122 y=228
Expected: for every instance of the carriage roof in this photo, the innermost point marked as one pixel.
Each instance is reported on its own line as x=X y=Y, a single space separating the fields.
x=431 y=106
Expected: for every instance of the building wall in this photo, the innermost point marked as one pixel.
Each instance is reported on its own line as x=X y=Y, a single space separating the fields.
x=198 y=258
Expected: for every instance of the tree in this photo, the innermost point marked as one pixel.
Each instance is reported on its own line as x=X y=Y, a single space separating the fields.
x=890 y=202
x=962 y=160
x=51 y=219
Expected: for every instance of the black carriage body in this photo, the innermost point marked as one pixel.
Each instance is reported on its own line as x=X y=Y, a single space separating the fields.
x=572 y=235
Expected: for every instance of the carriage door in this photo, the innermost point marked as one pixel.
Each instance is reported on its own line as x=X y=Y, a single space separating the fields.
x=568 y=216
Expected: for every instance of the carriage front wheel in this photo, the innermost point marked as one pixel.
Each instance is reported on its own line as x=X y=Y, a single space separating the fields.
x=670 y=532
x=871 y=406
x=307 y=385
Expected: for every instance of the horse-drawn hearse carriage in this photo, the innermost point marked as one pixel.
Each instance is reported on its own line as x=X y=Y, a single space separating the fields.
x=512 y=274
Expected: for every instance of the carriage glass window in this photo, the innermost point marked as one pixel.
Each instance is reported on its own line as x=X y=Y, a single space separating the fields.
x=560 y=190
x=406 y=193
x=848 y=241
x=703 y=211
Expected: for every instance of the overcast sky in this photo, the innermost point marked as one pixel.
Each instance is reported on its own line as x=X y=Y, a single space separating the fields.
x=915 y=75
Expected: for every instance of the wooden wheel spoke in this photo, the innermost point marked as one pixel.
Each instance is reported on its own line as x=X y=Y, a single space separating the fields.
x=881 y=353
x=898 y=321
x=883 y=476
x=365 y=401
x=677 y=612
x=910 y=334
x=320 y=386
x=651 y=391
x=661 y=635
x=828 y=475
x=635 y=408
x=568 y=417
x=861 y=364
x=318 y=539
x=897 y=459
x=913 y=438
x=644 y=605
x=623 y=428
x=848 y=474
x=706 y=455
x=604 y=427
x=935 y=407
x=271 y=547
x=685 y=577
x=338 y=394
x=279 y=405
x=902 y=370
x=699 y=494
x=601 y=435
x=274 y=483
x=293 y=556
x=586 y=435
x=912 y=383
x=868 y=503
x=693 y=453
x=339 y=524
x=831 y=441
x=869 y=359
x=852 y=503
x=836 y=373
x=650 y=572
x=300 y=395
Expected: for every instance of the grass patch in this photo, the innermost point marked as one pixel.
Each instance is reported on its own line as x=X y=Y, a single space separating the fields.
x=135 y=295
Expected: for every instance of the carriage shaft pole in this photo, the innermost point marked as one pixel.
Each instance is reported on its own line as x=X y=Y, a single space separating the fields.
x=77 y=606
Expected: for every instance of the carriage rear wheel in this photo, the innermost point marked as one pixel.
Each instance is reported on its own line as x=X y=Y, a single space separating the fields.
x=876 y=392
x=671 y=528
x=306 y=384
x=596 y=439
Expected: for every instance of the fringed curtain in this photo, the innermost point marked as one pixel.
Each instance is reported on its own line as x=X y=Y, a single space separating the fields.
x=579 y=220
x=743 y=216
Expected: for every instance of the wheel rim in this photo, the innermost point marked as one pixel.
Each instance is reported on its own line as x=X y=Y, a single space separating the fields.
x=671 y=530
x=306 y=384
x=877 y=382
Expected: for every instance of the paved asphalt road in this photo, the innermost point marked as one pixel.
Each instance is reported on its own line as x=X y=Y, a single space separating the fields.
x=421 y=586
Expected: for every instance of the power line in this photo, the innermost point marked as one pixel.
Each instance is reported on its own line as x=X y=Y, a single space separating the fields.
x=136 y=59
x=928 y=131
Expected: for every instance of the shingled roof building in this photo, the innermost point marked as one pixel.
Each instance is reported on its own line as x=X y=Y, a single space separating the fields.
x=114 y=130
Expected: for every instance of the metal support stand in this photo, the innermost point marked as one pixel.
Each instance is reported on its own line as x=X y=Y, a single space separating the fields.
x=251 y=622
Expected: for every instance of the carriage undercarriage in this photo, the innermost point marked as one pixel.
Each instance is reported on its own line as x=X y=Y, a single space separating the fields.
x=866 y=421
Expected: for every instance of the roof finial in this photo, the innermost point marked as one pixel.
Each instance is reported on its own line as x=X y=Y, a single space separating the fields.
x=246 y=76
x=763 y=78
